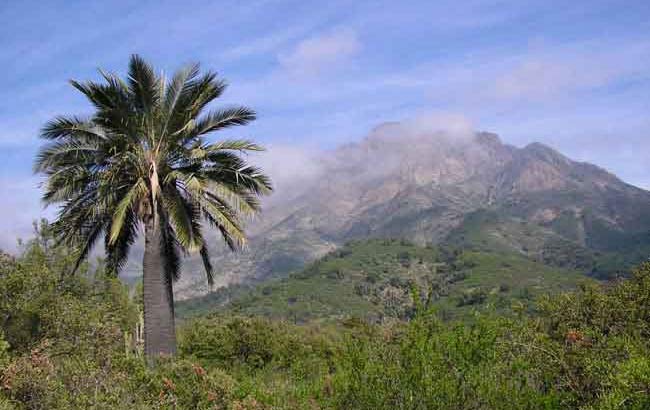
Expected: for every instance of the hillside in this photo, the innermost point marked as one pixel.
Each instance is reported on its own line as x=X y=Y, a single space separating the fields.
x=378 y=280
x=550 y=244
x=424 y=186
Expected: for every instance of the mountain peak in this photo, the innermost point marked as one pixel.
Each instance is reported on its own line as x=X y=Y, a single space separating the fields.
x=546 y=153
x=402 y=181
x=488 y=138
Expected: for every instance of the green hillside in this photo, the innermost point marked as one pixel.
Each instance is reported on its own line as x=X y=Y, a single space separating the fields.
x=559 y=243
x=378 y=280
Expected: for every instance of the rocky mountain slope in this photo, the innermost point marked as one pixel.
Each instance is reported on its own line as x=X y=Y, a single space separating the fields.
x=405 y=182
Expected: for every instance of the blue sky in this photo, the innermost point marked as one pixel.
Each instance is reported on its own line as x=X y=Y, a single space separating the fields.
x=572 y=74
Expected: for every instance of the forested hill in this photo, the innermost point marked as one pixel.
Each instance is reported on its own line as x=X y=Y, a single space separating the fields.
x=383 y=280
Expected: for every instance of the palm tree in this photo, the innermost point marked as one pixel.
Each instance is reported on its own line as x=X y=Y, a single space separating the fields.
x=142 y=161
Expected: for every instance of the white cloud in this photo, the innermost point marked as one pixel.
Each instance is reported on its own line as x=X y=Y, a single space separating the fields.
x=534 y=78
x=450 y=124
x=263 y=44
x=314 y=55
x=288 y=165
x=295 y=169
x=552 y=73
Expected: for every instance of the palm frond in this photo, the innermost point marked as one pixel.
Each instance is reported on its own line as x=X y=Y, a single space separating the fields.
x=143 y=85
x=117 y=251
x=114 y=109
x=225 y=118
x=202 y=92
x=65 y=153
x=181 y=81
x=106 y=97
x=233 y=145
x=87 y=241
x=136 y=193
x=221 y=216
x=207 y=265
x=65 y=127
x=244 y=203
x=67 y=182
x=183 y=218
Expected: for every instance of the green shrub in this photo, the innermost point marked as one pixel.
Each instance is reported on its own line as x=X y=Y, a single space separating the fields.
x=428 y=365
x=251 y=342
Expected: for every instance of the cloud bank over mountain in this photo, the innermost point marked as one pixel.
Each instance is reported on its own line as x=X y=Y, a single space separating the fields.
x=572 y=75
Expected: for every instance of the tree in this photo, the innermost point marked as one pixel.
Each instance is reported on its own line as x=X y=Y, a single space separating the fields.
x=141 y=162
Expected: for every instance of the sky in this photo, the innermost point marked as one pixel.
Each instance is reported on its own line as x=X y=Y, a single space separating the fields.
x=572 y=74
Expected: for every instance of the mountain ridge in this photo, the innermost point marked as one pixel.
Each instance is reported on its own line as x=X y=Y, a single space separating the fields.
x=405 y=181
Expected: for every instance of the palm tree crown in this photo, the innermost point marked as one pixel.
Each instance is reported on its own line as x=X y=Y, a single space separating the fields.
x=143 y=154
x=142 y=159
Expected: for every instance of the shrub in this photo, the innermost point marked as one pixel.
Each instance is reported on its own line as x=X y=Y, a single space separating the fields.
x=429 y=366
x=472 y=297
x=250 y=342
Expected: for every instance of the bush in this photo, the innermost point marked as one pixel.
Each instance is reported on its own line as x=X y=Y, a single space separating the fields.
x=430 y=366
x=472 y=297
x=41 y=380
x=601 y=339
x=253 y=343
x=589 y=350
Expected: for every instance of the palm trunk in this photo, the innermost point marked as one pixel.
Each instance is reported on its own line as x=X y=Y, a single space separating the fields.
x=159 y=329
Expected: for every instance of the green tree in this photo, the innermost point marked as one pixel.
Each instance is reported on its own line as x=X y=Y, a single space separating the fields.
x=142 y=160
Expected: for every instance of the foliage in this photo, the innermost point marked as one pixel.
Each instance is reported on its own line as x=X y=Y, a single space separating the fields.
x=432 y=366
x=252 y=343
x=588 y=349
x=40 y=299
x=601 y=340
x=587 y=244
x=281 y=365
x=373 y=280
x=67 y=346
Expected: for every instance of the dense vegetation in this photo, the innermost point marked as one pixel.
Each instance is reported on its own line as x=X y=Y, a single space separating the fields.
x=67 y=344
x=376 y=280
x=608 y=253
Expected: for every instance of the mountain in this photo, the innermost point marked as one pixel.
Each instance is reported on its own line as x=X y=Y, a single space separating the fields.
x=463 y=189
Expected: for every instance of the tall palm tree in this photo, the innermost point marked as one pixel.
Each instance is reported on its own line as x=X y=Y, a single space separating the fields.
x=142 y=162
